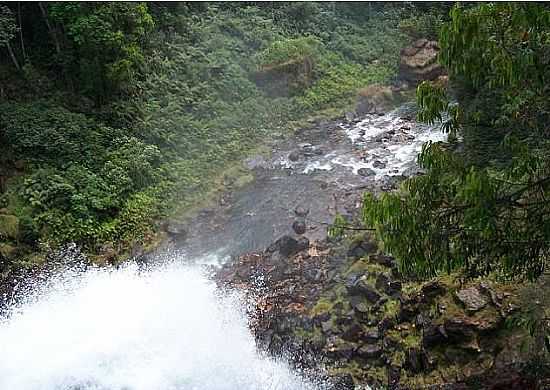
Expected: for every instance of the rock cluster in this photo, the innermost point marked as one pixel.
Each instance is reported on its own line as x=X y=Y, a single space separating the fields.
x=418 y=62
x=346 y=307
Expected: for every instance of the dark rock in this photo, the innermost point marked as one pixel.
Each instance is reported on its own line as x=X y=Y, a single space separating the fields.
x=382 y=282
x=299 y=226
x=301 y=212
x=369 y=351
x=379 y=304
x=294 y=156
x=359 y=304
x=371 y=335
x=385 y=324
x=472 y=299
x=362 y=288
x=365 y=172
x=433 y=289
x=287 y=245
x=353 y=332
x=378 y=164
x=434 y=335
x=409 y=309
x=313 y=274
x=386 y=261
x=176 y=230
x=321 y=318
x=394 y=376
x=393 y=288
x=414 y=360
x=361 y=248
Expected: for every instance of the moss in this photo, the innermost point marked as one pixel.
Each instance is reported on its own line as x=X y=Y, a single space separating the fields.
x=363 y=265
x=391 y=308
x=9 y=226
x=323 y=305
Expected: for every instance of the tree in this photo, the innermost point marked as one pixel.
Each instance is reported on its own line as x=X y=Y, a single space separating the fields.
x=108 y=39
x=480 y=215
x=8 y=29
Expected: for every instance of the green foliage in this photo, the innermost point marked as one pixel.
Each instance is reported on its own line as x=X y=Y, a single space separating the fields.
x=338 y=226
x=108 y=38
x=8 y=27
x=489 y=216
x=290 y=50
x=124 y=118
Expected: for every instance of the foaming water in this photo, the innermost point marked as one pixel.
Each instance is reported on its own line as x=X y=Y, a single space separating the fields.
x=167 y=328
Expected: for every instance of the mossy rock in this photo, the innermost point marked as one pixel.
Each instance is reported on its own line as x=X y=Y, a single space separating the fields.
x=6 y=250
x=9 y=226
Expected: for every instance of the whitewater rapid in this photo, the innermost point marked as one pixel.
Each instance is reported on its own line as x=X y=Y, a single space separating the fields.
x=166 y=328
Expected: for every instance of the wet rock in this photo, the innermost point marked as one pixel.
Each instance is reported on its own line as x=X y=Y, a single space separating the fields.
x=294 y=156
x=361 y=248
x=301 y=212
x=379 y=164
x=299 y=226
x=176 y=230
x=288 y=245
x=472 y=299
x=365 y=172
x=350 y=116
x=342 y=382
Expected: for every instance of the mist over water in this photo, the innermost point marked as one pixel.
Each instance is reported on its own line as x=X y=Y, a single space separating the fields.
x=167 y=328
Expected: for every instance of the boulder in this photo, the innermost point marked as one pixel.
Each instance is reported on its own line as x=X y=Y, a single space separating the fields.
x=288 y=245
x=369 y=351
x=365 y=172
x=301 y=212
x=294 y=156
x=472 y=299
x=418 y=62
x=176 y=230
x=379 y=164
x=362 y=288
x=299 y=226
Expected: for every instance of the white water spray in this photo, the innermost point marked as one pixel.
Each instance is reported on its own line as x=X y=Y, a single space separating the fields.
x=124 y=329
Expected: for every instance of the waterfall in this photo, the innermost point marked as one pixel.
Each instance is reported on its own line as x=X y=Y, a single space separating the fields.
x=164 y=328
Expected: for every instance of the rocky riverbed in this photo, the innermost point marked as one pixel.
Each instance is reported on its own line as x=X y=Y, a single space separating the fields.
x=341 y=307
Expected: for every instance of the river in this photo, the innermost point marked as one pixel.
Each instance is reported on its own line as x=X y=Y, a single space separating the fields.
x=164 y=325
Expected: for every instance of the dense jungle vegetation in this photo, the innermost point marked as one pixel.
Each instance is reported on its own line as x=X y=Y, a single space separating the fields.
x=112 y=114
x=483 y=208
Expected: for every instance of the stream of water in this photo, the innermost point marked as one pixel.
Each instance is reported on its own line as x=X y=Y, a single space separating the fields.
x=168 y=327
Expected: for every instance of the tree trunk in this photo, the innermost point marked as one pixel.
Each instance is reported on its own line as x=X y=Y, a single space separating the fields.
x=21 y=32
x=13 y=58
x=51 y=30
